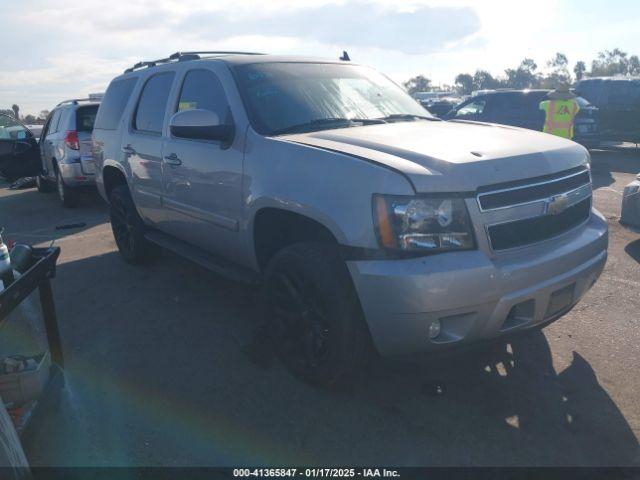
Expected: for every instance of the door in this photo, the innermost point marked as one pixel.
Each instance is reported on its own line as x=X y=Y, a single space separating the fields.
x=84 y=119
x=48 y=140
x=19 y=155
x=202 y=179
x=142 y=145
x=621 y=110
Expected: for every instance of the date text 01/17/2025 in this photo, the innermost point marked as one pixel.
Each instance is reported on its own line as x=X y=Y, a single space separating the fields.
x=315 y=472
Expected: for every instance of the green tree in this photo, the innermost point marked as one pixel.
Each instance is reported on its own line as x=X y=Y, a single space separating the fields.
x=483 y=80
x=560 y=68
x=16 y=111
x=610 y=62
x=523 y=76
x=419 y=83
x=634 y=65
x=464 y=83
x=580 y=69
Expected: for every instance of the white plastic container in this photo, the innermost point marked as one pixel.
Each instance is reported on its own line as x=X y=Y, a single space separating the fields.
x=19 y=388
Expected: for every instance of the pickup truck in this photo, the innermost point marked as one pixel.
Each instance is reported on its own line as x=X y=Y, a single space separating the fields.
x=371 y=225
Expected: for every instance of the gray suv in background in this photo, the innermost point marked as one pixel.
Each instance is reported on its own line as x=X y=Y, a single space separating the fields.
x=65 y=149
x=371 y=225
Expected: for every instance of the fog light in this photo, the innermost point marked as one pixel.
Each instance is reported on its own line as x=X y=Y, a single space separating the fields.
x=434 y=329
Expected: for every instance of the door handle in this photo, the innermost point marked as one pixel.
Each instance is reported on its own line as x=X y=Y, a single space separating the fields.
x=129 y=150
x=172 y=159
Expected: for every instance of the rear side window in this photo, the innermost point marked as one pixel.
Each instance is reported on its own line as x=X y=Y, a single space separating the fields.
x=589 y=89
x=152 y=105
x=623 y=94
x=508 y=103
x=63 y=123
x=54 y=122
x=85 y=118
x=202 y=89
x=113 y=103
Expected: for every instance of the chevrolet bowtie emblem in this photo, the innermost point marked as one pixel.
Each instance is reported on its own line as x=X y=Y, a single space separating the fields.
x=556 y=204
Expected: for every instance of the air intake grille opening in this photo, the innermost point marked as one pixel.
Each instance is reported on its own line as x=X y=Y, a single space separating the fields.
x=532 y=230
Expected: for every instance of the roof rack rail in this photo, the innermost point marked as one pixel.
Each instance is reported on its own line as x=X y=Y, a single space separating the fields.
x=75 y=101
x=184 y=57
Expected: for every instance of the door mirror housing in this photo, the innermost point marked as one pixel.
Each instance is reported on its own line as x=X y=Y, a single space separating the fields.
x=198 y=124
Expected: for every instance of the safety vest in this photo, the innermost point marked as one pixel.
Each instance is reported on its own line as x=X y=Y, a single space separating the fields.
x=559 y=115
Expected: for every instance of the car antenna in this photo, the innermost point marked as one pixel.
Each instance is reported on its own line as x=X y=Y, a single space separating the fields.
x=345 y=56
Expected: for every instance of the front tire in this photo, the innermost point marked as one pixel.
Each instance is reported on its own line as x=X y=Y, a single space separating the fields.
x=68 y=196
x=128 y=228
x=314 y=315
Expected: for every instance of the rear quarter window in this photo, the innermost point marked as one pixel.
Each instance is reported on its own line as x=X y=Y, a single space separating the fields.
x=589 y=89
x=114 y=102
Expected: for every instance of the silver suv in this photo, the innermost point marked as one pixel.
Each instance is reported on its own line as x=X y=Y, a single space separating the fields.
x=371 y=225
x=65 y=149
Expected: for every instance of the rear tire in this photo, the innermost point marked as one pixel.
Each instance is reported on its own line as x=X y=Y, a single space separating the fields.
x=128 y=228
x=67 y=195
x=314 y=316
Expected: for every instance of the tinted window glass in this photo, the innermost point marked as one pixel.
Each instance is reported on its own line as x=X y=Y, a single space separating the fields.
x=471 y=109
x=589 y=89
x=623 y=94
x=153 y=102
x=113 y=103
x=85 y=118
x=507 y=103
x=202 y=89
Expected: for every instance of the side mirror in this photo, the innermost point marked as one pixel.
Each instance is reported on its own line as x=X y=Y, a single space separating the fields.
x=200 y=124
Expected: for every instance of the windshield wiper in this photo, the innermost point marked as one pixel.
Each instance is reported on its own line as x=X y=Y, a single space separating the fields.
x=408 y=116
x=327 y=123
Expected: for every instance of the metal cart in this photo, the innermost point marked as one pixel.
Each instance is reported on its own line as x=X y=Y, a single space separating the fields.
x=37 y=276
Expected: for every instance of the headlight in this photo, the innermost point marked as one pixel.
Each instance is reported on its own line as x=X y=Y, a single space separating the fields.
x=422 y=223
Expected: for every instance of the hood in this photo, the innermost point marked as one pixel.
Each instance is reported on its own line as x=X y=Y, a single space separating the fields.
x=439 y=156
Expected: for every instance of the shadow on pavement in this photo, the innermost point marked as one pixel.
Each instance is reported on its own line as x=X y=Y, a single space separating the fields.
x=633 y=250
x=35 y=215
x=603 y=162
x=157 y=374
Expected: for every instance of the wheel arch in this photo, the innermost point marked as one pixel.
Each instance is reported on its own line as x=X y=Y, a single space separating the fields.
x=274 y=228
x=112 y=176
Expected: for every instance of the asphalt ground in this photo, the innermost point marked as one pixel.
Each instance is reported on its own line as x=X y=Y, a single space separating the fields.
x=160 y=368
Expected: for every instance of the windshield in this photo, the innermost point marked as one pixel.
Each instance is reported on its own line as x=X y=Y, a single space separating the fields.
x=281 y=96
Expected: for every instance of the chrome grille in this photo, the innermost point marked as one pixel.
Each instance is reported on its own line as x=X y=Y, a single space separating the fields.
x=526 y=214
x=518 y=195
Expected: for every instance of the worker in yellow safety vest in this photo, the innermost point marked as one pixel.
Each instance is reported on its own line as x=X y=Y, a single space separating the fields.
x=560 y=111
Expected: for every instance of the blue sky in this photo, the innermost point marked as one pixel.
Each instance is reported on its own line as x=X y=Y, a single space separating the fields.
x=61 y=49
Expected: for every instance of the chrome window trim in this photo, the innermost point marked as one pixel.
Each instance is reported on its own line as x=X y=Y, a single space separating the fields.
x=525 y=187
